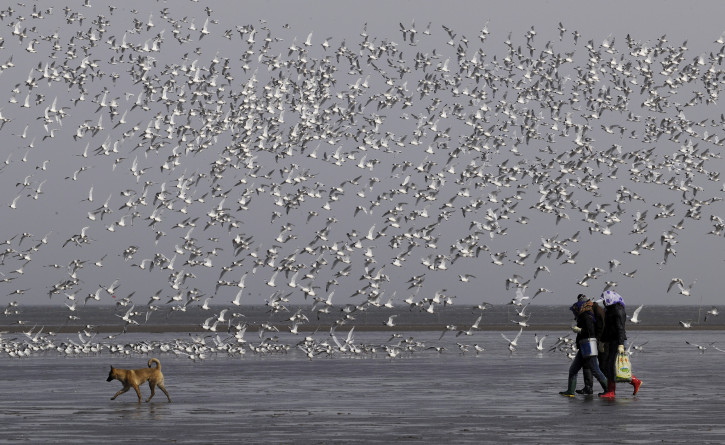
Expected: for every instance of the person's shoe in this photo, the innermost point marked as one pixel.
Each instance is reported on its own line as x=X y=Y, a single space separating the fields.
x=570 y=391
x=636 y=383
x=585 y=390
x=609 y=394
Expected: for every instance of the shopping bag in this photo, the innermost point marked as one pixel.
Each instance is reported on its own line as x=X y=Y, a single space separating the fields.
x=623 y=368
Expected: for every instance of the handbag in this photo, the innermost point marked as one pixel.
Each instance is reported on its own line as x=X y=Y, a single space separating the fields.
x=622 y=368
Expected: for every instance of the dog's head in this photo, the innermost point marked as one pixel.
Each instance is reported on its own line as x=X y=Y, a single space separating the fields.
x=111 y=374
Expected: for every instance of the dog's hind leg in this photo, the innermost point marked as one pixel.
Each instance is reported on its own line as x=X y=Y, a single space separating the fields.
x=152 y=385
x=161 y=385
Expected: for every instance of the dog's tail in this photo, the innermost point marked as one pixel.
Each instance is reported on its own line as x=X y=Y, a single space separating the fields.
x=158 y=363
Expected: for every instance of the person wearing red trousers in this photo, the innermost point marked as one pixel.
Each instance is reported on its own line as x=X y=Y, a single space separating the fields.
x=615 y=338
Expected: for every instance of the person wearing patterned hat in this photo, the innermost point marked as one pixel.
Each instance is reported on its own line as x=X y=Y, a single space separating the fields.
x=615 y=339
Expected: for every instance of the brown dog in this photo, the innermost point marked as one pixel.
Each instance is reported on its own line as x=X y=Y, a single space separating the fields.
x=132 y=378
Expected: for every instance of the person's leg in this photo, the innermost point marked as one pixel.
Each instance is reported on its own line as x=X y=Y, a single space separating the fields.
x=588 y=381
x=593 y=364
x=635 y=381
x=576 y=365
x=611 y=351
x=611 y=360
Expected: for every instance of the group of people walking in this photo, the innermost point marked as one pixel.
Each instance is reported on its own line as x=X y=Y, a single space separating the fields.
x=601 y=335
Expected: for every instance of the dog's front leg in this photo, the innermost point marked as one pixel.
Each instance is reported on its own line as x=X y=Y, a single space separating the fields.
x=138 y=392
x=123 y=390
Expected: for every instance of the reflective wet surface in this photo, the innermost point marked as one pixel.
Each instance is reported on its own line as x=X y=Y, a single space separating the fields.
x=428 y=397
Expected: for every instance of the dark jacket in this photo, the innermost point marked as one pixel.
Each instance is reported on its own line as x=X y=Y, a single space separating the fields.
x=585 y=321
x=614 y=319
x=598 y=320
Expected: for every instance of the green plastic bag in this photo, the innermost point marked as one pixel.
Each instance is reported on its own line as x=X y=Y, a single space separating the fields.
x=623 y=368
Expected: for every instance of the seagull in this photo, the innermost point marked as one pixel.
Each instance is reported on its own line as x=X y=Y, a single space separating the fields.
x=465 y=278
x=449 y=327
x=483 y=306
x=272 y=278
x=112 y=288
x=94 y=296
x=519 y=298
x=714 y=312
x=477 y=322
x=699 y=347
x=638 y=347
x=513 y=343
x=542 y=268
x=497 y=258
x=238 y=299
x=473 y=327
x=686 y=324
x=390 y=322
x=14 y=204
x=635 y=315
x=686 y=291
x=613 y=264
x=539 y=342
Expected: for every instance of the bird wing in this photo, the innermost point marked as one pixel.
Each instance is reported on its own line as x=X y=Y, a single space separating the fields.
x=672 y=283
x=518 y=335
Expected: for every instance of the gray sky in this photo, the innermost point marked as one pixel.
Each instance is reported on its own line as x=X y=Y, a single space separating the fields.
x=227 y=119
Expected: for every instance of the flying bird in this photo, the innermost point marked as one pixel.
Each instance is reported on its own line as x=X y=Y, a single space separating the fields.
x=513 y=344
x=635 y=315
x=686 y=291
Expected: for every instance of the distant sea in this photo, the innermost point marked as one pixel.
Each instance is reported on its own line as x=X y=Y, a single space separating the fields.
x=498 y=317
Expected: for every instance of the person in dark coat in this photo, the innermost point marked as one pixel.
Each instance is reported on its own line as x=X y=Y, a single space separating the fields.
x=615 y=338
x=585 y=329
x=599 y=329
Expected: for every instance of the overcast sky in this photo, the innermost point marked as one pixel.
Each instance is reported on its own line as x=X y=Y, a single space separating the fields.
x=330 y=147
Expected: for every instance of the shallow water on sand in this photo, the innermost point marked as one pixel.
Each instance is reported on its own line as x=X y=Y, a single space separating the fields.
x=427 y=397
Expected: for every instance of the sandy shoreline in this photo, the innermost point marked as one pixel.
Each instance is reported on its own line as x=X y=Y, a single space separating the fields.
x=158 y=329
x=424 y=397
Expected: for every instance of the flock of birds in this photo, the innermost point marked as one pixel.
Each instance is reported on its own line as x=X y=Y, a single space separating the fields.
x=234 y=343
x=228 y=165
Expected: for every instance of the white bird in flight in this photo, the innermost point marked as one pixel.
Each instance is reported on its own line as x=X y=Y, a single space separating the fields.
x=635 y=315
x=513 y=343
x=686 y=291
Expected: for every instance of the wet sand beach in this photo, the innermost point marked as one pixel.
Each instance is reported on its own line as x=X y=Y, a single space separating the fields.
x=493 y=397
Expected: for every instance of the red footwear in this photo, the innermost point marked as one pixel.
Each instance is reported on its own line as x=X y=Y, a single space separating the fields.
x=636 y=383
x=611 y=386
